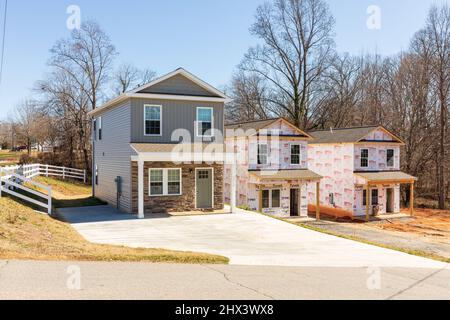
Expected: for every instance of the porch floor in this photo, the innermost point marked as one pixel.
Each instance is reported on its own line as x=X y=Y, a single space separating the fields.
x=384 y=217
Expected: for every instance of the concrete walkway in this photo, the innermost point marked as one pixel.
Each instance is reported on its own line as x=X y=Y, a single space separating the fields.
x=246 y=238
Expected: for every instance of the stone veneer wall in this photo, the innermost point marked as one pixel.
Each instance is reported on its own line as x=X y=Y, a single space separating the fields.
x=185 y=202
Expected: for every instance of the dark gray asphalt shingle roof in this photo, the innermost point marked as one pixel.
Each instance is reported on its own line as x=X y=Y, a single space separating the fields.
x=251 y=128
x=346 y=135
x=255 y=125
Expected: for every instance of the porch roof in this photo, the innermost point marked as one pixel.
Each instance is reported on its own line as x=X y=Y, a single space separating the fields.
x=286 y=175
x=386 y=177
x=178 y=153
x=167 y=148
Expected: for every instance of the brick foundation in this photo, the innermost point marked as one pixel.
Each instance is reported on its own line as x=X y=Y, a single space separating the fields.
x=185 y=202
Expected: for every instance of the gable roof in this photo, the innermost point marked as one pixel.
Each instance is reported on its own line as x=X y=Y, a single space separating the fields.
x=247 y=129
x=256 y=124
x=350 y=135
x=186 y=74
x=216 y=95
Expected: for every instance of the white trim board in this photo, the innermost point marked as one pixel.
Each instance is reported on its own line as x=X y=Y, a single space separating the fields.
x=180 y=158
x=113 y=103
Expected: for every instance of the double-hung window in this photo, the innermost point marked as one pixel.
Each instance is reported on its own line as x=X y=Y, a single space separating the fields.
x=271 y=199
x=165 y=182
x=263 y=154
x=375 y=197
x=205 y=118
x=174 y=182
x=266 y=199
x=296 y=154
x=364 y=158
x=156 y=182
x=390 y=158
x=153 y=119
x=276 y=198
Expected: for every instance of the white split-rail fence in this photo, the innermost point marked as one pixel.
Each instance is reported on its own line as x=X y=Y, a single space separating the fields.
x=12 y=179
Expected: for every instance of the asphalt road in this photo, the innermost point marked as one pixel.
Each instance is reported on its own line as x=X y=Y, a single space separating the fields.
x=87 y=280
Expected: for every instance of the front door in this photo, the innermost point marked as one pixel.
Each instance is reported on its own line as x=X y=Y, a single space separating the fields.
x=204 y=188
x=295 y=202
x=389 y=200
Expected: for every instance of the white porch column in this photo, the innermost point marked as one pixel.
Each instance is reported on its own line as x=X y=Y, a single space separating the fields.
x=233 y=190
x=141 y=189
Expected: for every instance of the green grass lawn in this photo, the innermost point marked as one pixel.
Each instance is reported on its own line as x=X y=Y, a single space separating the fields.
x=68 y=193
x=9 y=158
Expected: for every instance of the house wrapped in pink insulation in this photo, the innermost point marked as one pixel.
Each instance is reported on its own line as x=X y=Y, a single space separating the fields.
x=272 y=167
x=360 y=169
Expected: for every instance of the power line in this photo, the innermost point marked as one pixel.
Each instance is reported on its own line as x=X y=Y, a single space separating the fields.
x=3 y=41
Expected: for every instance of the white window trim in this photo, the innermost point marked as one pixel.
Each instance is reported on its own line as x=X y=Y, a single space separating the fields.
x=160 y=120
x=361 y=157
x=300 y=155
x=393 y=162
x=270 y=198
x=197 y=122
x=165 y=182
x=267 y=154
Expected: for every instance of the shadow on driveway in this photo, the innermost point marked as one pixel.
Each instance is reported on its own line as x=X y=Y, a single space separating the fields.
x=98 y=214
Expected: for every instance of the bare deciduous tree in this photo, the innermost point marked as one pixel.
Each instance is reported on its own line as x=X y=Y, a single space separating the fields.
x=298 y=41
x=434 y=42
x=408 y=93
x=27 y=117
x=80 y=72
x=129 y=77
x=249 y=98
x=86 y=58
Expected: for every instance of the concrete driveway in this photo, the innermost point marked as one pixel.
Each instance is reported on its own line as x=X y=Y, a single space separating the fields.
x=246 y=238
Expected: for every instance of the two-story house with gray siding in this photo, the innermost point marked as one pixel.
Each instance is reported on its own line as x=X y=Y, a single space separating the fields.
x=154 y=147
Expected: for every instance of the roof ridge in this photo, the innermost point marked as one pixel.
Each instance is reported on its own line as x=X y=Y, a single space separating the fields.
x=348 y=128
x=253 y=121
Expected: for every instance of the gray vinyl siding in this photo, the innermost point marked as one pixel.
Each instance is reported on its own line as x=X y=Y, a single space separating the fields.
x=113 y=155
x=175 y=115
x=179 y=85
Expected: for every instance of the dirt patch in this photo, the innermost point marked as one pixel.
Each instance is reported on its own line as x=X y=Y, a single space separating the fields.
x=430 y=223
x=412 y=243
x=426 y=234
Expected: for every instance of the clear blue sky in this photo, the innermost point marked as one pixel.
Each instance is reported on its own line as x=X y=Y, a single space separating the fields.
x=207 y=37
